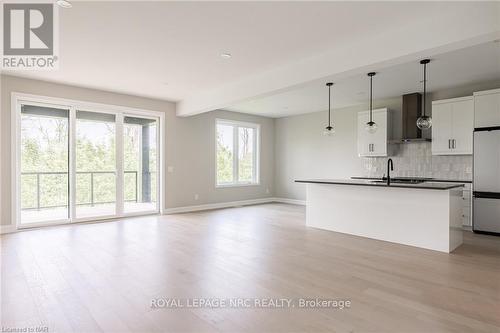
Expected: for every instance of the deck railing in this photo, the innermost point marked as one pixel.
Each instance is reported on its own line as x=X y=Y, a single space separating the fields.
x=92 y=201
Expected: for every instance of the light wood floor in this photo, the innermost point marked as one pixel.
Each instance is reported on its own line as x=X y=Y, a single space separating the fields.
x=103 y=276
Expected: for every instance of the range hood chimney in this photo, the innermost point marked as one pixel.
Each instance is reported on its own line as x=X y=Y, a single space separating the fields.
x=412 y=107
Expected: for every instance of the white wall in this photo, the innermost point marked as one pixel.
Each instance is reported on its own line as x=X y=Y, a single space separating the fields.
x=189 y=144
x=303 y=152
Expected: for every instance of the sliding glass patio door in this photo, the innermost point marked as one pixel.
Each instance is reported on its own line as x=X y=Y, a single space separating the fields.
x=44 y=175
x=78 y=165
x=140 y=144
x=95 y=164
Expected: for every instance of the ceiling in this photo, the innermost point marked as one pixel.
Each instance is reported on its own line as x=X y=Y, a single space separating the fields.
x=477 y=64
x=171 y=50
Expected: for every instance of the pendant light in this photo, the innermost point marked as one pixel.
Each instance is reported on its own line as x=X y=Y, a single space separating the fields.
x=371 y=126
x=329 y=129
x=424 y=121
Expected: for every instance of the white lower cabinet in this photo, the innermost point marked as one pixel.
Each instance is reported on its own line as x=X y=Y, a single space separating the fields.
x=374 y=144
x=453 y=126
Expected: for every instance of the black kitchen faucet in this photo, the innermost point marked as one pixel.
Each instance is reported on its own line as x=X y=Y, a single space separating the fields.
x=390 y=167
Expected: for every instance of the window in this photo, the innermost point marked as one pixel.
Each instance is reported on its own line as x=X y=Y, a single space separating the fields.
x=237 y=150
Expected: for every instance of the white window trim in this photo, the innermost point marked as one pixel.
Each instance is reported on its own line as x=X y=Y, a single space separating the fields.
x=18 y=98
x=256 y=157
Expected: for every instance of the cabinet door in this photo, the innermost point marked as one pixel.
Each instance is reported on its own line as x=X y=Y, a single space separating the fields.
x=487 y=110
x=379 y=138
x=462 y=127
x=363 y=139
x=441 y=128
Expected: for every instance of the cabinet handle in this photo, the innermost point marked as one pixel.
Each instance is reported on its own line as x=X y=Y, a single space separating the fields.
x=454 y=143
x=449 y=143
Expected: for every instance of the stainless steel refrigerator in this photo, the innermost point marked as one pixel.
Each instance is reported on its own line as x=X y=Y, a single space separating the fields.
x=486 y=204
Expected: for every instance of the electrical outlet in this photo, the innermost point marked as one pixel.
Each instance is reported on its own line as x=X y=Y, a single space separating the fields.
x=267 y=190
x=170 y=169
x=196 y=197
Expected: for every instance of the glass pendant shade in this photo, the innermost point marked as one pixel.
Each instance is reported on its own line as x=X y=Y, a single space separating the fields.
x=424 y=122
x=328 y=131
x=371 y=127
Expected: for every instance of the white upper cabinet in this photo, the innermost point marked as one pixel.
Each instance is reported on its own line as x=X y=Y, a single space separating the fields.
x=452 y=126
x=374 y=144
x=487 y=108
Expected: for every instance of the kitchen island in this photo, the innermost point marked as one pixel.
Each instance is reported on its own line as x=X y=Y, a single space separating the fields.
x=426 y=215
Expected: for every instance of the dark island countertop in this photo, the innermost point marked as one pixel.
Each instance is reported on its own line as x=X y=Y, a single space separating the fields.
x=463 y=181
x=379 y=183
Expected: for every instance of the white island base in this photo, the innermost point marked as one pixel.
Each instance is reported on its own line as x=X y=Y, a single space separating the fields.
x=426 y=218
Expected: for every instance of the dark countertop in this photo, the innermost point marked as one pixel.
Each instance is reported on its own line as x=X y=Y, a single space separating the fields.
x=426 y=179
x=361 y=182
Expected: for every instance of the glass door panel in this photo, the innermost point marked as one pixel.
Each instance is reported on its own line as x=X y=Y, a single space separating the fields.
x=44 y=152
x=140 y=145
x=95 y=164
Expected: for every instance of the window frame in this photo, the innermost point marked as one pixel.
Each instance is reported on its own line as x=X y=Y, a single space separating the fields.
x=256 y=156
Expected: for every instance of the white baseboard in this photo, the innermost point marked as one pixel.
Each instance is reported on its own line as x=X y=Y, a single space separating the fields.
x=5 y=229
x=186 y=209
x=290 y=201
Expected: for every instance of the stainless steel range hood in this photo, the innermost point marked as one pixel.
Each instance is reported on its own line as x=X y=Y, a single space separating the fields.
x=412 y=107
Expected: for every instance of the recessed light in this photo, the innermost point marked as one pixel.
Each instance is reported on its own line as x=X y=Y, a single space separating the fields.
x=225 y=55
x=64 y=3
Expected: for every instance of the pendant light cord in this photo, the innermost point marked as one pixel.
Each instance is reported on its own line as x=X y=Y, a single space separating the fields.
x=329 y=104
x=329 y=85
x=425 y=62
x=371 y=98
x=371 y=75
x=425 y=84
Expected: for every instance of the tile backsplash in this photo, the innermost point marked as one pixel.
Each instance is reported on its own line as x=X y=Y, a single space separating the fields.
x=416 y=160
